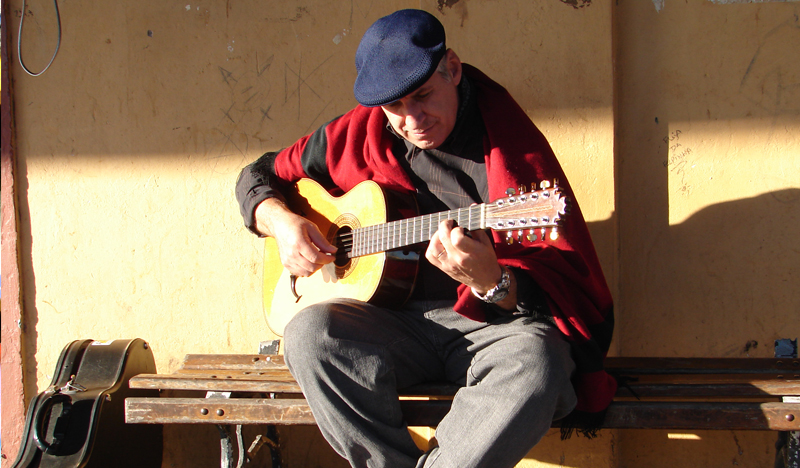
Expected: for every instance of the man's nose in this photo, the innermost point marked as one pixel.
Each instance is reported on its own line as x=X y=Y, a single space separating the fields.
x=414 y=115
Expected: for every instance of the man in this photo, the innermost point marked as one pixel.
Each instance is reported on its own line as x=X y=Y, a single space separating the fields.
x=522 y=326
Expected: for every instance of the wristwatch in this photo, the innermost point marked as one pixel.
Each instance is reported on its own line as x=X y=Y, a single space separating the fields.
x=499 y=292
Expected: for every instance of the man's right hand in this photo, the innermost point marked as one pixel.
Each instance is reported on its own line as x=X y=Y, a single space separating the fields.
x=302 y=247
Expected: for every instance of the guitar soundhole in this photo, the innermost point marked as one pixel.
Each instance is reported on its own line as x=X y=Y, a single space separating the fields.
x=344 y=246
x=340 y=235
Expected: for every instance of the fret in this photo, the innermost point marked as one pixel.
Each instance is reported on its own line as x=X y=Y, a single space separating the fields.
x=376 y=238
x=367 y=242
x=391 y=233
x=397 y=232
x=364 y=241
x=382 y=238
x=393 y=240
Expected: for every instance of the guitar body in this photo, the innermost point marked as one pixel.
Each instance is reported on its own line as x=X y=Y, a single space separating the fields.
x=79 y=421
x=383 y=278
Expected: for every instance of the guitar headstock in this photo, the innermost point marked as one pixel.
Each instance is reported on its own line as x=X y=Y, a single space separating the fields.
x=525 y=213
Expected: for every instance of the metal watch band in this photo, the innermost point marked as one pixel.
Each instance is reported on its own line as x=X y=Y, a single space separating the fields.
x=499 y=292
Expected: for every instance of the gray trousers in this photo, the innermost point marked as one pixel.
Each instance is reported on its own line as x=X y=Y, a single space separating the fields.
x=350 y=358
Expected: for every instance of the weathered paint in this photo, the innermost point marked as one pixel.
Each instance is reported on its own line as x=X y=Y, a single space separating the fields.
x=13 y=394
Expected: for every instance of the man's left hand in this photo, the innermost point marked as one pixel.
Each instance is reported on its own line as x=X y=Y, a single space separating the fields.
x=467 y=257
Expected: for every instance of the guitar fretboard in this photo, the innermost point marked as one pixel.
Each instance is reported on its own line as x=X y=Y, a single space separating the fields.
x=396 y=234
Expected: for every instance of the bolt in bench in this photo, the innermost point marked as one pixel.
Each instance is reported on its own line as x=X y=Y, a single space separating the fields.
x=660 y=393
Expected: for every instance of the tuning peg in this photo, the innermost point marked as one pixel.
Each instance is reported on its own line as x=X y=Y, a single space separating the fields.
x=509 y=238
x=531 y=236
x=554 y=234
x=521 y=189
x=510 y=191
x=544 y=184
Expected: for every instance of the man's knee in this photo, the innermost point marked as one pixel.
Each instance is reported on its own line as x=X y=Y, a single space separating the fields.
x=535 y=346
x=551 y=367
x=325 y=330
x=306 y=333
x=537 y=364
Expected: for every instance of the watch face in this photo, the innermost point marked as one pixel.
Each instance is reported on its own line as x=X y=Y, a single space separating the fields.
x=498 y=296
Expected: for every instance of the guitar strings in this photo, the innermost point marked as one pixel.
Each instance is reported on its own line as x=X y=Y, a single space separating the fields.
x=382 y=237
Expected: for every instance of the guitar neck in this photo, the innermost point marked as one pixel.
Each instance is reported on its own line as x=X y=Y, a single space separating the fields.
x=396 y=234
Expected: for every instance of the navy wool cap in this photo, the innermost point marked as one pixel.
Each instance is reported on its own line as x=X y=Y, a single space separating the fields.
x=397 y=55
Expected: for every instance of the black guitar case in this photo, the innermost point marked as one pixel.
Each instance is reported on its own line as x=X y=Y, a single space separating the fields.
x=79 y=421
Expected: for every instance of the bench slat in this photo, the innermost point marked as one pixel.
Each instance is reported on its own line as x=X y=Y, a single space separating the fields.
x=760 y=390
x=625 y=365
x=282 y=375
x=621 y=415
x=763 y=390
x=658 y=415
x=661 y=415
x=172 y=382
x=269 y=382
x=708 y=378
x=148 y=410
x=634 y=365
x=233 y=361
x=705 y=416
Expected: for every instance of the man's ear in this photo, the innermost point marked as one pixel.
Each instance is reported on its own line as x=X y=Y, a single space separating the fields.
x=454 y=66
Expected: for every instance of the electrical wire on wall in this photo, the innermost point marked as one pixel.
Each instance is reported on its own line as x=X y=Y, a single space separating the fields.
x=19 y=40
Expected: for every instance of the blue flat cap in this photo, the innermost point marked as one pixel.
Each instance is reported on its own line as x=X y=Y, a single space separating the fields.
x=397 y=54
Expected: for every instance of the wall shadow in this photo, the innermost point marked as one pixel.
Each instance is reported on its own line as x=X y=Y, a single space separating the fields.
x=722 y=283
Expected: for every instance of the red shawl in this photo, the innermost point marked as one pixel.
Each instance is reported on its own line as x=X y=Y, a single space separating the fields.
x=359 y=147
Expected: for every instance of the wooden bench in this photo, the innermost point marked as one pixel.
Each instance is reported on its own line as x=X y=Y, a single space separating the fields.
x=662 y=393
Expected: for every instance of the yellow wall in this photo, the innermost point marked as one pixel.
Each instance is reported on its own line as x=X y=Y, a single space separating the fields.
x=708 y=196
x=130 y=144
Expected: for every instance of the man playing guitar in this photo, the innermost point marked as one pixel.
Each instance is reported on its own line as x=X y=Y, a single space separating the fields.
x=521 y=323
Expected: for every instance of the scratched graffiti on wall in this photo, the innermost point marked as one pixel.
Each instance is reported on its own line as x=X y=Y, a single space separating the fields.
x=659 y=4
x=248 y=108
x=578 y=3
x=247 y=120
x=749 y=1
x=299 y=90
x=678 y=160
x=772 y=78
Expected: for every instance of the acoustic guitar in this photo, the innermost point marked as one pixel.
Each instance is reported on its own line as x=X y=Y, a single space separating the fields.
x=379 y=241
